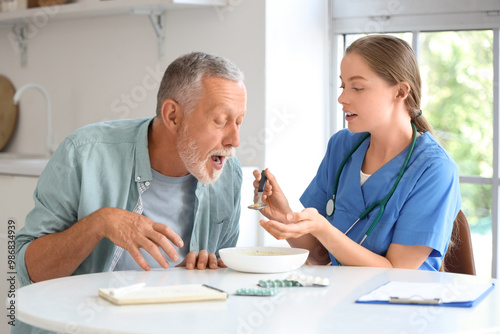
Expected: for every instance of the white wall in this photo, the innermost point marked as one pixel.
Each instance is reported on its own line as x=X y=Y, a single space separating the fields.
x=237 y=33
x=84 y=65
x=297 y=78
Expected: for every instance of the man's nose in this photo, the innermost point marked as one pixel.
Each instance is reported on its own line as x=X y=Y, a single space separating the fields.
x=232 y=136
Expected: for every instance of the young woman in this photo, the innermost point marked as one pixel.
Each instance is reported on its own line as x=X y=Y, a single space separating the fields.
x=387 y=173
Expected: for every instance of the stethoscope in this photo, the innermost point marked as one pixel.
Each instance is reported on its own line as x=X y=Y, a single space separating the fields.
x=330 y=204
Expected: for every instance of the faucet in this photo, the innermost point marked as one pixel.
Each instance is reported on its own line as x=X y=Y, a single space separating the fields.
x=48 y=109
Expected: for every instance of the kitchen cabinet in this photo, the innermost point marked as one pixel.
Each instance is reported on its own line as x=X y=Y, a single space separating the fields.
x=16 y=200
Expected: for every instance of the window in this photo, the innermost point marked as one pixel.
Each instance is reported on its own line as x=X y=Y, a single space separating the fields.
x=459 y=94
x=457 y=76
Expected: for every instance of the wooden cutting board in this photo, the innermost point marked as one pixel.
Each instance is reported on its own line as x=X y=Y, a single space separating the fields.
x=8 y=111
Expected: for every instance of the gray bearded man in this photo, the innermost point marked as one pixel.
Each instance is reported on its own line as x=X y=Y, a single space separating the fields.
x=143 y=193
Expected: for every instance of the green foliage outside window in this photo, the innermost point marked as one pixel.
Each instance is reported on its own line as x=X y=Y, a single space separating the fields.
x=457 y=76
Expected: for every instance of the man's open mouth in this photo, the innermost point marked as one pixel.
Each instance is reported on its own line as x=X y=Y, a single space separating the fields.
x=218 y=157
x=218 y=161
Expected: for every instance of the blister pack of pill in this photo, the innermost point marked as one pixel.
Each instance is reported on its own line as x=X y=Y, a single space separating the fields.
x=260 y=292
x=278 y=283
x=307 y=280
x=271 y=287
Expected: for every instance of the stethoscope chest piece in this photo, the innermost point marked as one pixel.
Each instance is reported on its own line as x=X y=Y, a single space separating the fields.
x=330 y=206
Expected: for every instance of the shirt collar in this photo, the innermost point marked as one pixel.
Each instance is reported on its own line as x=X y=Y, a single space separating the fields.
x=142 y=161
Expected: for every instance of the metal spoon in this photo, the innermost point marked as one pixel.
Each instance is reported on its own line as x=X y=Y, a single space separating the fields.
x=262 y=183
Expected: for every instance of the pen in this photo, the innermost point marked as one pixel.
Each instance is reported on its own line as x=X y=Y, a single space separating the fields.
x=414 y=301
x=211 y=287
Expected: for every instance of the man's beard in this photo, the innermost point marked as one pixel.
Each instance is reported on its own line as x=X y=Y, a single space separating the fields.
x=196 y=165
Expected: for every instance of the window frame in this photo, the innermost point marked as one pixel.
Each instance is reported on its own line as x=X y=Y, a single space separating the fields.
x=395 y=16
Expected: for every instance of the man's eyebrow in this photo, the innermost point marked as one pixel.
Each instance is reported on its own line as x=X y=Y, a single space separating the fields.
x=356 y=77
x=225 y=110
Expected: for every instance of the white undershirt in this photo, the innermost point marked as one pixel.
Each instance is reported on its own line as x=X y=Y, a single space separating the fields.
x=363 y=177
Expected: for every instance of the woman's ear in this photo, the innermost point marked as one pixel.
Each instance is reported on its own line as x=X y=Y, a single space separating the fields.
x=171 y=115
x=403 y=90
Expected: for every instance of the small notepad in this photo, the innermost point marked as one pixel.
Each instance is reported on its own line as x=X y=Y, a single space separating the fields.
x=163 y=294
x=438 y=294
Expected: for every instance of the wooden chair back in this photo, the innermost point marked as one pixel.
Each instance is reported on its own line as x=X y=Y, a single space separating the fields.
x=460 y=258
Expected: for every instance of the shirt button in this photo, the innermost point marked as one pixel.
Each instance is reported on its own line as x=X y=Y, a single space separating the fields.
x=138 y=178
x=147 y=183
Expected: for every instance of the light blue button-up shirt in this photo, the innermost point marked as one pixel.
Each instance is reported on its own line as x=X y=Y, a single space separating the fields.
x=107 y=165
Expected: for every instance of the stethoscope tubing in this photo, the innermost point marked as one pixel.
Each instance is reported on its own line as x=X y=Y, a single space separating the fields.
x=382 y=203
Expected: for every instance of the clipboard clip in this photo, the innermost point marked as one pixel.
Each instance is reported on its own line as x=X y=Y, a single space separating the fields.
x=415 y=300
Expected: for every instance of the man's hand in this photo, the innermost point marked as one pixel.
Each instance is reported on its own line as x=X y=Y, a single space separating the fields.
x=59 y=254
x=132 y=231
x=201 y=261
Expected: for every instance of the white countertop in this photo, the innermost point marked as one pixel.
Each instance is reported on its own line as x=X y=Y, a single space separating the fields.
x=22 y=164
x=72 y=304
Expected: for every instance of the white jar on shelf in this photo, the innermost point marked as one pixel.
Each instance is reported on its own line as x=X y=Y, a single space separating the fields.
x=9 y=5
x=12 y=5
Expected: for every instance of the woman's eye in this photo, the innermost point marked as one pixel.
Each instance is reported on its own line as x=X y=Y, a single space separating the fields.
x=353 y=88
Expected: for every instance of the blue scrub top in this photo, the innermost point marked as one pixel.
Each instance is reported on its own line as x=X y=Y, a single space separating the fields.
x=420 y=212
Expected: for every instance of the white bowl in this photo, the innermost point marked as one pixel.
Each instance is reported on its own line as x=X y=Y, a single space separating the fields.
x=263 y=259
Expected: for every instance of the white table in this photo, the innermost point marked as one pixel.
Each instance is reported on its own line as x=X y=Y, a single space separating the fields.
x=71 y=305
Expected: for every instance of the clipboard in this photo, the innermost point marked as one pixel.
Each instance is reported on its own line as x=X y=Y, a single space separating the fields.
x=138 y=294
x=430 y=294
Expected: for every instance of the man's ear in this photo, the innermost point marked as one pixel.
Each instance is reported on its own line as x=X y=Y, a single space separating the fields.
x=171 y=115
x=403 y=90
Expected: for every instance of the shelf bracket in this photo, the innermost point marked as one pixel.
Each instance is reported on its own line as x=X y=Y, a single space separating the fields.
x=19 y=31
x=157 y=19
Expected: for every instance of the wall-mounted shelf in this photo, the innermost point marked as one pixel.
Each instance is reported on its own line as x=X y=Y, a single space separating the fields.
x=19 y=21
x=87 y=9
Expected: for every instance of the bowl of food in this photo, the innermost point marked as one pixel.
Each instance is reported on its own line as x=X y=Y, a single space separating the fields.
x=263 y=259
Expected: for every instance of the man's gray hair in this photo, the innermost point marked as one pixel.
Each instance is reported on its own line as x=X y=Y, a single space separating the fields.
x=182 y=79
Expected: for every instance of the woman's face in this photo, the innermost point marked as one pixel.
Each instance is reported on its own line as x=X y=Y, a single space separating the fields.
x=369 y=103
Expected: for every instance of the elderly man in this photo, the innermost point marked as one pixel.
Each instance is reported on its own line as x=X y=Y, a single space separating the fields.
x=140 y=193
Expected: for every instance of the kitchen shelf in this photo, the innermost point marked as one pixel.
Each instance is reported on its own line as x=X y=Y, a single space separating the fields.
x=87 y=9
x=19 y=21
